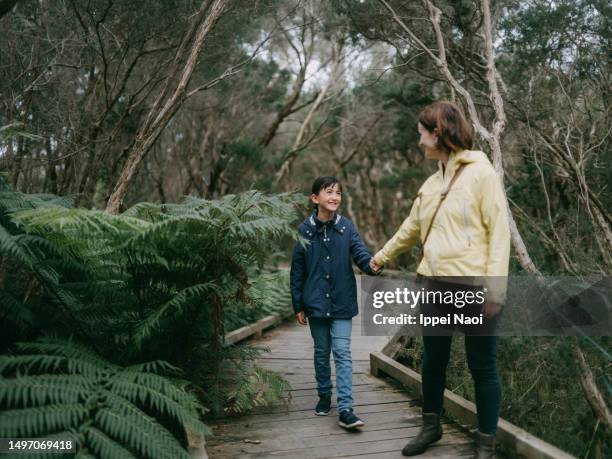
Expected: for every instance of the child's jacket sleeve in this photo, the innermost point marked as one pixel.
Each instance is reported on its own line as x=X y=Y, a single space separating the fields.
x=404 y=239
x=360 y=253
x=297 y=276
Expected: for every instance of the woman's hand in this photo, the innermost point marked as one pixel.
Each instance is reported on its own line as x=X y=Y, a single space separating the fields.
x=302 y=320
x=490 y=309
x=374 y=266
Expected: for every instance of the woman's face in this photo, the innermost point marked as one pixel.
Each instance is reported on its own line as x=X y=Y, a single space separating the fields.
x=429 y=142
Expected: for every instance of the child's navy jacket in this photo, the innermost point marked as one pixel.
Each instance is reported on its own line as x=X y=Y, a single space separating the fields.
x=322 y=279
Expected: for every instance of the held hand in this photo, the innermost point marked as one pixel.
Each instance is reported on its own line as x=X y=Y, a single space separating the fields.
x=373 y=265
x=302 y=320
x=490 y=309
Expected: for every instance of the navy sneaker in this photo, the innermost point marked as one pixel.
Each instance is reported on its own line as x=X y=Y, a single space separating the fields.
x=323 y=406
x=349 y=421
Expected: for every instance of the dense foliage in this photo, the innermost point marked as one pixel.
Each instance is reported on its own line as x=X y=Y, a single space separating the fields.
x=113 y=325
x=282 y=91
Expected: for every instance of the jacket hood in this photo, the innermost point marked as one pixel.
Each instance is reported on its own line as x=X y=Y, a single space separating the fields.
x=465 y=157
x=471 y=156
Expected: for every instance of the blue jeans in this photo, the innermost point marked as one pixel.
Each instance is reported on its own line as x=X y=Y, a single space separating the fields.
x=333 y=335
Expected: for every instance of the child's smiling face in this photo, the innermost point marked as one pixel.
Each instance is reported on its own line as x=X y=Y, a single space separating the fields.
x=329 y=198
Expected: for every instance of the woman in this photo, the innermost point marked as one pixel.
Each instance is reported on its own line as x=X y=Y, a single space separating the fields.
x=469 y=236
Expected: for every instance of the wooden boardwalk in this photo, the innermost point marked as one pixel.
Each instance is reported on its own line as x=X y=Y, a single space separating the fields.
x=293 y=431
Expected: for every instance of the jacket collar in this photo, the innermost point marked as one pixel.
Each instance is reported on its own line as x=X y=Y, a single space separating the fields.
x=318 y=224
x=455 y=159
x=451 y=166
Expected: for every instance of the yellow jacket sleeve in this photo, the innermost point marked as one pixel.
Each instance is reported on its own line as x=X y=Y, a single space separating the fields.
x=494 y=211
x=406 y=236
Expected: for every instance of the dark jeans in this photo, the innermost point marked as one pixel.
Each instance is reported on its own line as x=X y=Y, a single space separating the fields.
x=481 y=356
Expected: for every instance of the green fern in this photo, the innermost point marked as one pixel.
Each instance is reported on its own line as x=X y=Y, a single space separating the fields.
x=59 y=386
x=259 y=387
x=241 y=385
x=268 y=294
x=158 y=283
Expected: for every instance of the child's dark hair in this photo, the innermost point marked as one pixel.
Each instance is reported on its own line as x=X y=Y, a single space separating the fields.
x=323 y=182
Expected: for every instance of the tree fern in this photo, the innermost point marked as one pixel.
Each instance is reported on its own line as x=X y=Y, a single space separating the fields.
x=158 y=283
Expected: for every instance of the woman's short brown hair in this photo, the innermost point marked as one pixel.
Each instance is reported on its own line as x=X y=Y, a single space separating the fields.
x=453 y=131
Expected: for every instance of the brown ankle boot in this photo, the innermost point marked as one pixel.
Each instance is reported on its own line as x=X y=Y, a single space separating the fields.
x=485 y=446
x=429 y=433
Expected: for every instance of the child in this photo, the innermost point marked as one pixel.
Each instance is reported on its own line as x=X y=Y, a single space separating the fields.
x=323 y=289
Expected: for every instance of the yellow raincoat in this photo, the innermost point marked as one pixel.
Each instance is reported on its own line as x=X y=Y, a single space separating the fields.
x=470 y=235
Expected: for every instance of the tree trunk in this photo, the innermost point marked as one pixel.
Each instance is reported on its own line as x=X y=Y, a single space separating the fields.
x=286 y=110
x=591 y=392
x=162 y=112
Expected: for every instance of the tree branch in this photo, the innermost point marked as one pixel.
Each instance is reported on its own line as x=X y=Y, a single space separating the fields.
x=491 y=137
x=166 y=107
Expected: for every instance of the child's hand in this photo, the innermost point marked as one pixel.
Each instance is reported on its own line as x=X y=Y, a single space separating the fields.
x=373 y=265
x=302 y=320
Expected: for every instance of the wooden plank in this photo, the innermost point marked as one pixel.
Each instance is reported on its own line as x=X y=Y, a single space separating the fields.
x=516 y=439
x=365 y=380
x=306 y=382
x=349 y=443
x=318 y=425
x=435 y=451
x=334 y=436
x=308 y=403
x=307 y=359
x=307 y=368
x=357 y=388
x=255 y=418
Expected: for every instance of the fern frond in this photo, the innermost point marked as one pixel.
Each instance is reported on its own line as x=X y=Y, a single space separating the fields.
x=145 y=437
x=14 y=310
x=81 y=222
x=165 y=403
x=176 y=305
x=75 y=352
x=38 y=390
x=105 y=447
x=155 y=366
x=10 y=247
x=36 y=421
